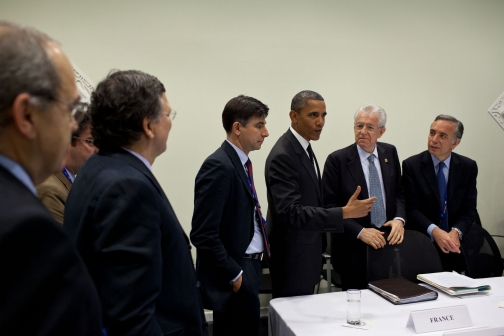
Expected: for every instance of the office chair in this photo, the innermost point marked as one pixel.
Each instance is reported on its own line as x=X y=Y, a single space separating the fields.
x=502 y=239
x=415 y=255
x=481 y=254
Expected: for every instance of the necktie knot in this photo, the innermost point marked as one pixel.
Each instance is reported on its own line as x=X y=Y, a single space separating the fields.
x=371 y=158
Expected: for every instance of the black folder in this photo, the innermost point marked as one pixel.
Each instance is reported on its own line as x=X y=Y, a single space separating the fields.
x=401 y=291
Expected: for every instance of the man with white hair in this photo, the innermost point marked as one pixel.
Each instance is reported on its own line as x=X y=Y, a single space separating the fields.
x=45 y=288
x=375 y=167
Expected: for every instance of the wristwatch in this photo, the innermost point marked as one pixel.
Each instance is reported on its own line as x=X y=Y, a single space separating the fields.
x=459 y=232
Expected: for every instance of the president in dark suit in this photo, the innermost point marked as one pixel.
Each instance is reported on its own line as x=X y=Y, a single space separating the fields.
x=227 y=225
x=375 y=167
x=296 y=216
x=121 y=221
x=440 y=189
x=45 y=288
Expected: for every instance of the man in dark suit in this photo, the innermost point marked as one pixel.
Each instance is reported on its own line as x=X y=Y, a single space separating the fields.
x=45 y=288
x=53 y=192
x=296 y=216
x=227 y=225
x=121 y=221
x=440 y=189
x=375 y=167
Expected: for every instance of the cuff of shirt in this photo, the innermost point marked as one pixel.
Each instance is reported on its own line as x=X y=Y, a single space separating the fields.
x=401 y=219
x=231 y=282
x=431 y=228
x=359 y=233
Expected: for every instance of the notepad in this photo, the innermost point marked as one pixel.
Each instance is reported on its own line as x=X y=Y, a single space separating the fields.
x=453 y=283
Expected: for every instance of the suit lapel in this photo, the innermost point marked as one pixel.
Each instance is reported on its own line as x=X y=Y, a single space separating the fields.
x=354 y=166
x=454 y=175
x=429 y=174
x=66 y=182
x=384 y=165
x=305 y=161
x=240 y=169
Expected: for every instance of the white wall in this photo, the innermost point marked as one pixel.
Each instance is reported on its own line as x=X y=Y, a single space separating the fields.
x=416 y=59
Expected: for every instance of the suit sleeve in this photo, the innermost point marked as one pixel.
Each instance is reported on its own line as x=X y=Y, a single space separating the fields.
x=283 y=183
x=412 y=198
x=333 y=191
x=467 y=213
x=212 y=189
x=128 y=247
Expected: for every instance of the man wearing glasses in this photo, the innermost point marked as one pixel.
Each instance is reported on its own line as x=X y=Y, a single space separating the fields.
x=45 y=288
x=121 y=221
x=375 y=167
x=53 y=192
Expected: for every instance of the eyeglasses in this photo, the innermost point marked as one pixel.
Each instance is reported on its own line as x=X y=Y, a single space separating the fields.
x=79 y=109
x=171 y=114
x=369 y=128
x=90 y=142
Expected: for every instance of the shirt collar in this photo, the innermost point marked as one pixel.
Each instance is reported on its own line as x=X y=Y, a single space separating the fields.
x=364 y=155
x=435 y=161
x=140 y=157
x=243 y=157
x=304 y=143
x=15 y=169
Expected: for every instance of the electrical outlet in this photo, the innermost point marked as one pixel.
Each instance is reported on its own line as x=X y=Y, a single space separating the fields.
x=497 y=110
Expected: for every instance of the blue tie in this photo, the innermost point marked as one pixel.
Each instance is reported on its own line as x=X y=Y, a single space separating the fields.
x=378 y=216
x=443 y=214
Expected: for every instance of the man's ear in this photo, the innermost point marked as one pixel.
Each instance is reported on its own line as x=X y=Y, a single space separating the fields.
x=455 y=144
x=236 y=128
x=22 y=116
x=382 y=130
x=147 y=128
x=293 y=117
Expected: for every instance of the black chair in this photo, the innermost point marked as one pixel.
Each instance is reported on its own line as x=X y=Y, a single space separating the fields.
x=328 y=273
x=415 y=255
x=502 y=239
x=266 y=284
x=481 y=254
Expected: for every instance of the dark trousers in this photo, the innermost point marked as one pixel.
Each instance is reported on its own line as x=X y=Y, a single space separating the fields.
x=243 y=313
x=451 y=261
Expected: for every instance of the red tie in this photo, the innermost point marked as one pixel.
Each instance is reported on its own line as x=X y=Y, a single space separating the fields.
x=261 y=220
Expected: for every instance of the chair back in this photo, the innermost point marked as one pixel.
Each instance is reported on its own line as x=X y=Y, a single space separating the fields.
x=481 y=254
x=415 y=255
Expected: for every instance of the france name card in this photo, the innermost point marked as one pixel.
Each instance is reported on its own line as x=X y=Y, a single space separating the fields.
x=437 y=319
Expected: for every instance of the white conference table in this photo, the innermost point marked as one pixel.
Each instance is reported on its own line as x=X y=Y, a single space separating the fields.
x=324 y=314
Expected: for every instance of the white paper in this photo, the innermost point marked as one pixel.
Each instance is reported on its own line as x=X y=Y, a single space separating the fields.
x=452 y=279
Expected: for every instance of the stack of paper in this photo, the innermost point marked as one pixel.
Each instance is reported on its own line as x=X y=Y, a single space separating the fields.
x=401 y=291
x=454 y=283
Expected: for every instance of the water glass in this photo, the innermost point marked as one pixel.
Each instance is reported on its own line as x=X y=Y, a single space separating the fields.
x=353 y=306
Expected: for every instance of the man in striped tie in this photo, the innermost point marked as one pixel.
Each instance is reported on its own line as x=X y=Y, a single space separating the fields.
x=440 y=189
x=228 y=228
x=374 y=166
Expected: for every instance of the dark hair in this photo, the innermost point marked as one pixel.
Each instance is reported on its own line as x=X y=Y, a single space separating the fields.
x=119 y=105
x=83 y=125
x=25 y=66
x=459 y=128
x=242 y=109
x=300 y=100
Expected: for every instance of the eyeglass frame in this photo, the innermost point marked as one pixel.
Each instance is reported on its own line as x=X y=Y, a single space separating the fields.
x=90 y=142
x=172 y=114
x=78 y=109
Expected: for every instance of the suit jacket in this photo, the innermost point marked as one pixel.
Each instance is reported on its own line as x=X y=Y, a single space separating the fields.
x=53 y=193
x=222 y=224
x=342 y=174
x=45 y=288
x=296 y=218
x=126 y=231
x=422 y=193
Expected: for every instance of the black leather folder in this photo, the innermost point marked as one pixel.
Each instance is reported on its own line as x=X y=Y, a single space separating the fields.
x=401 y=291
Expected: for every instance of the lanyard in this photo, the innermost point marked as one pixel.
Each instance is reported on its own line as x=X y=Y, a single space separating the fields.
x=67 y=175
x=256 y=200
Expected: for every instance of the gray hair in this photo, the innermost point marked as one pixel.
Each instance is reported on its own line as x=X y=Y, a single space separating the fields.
x=25 y=66
x=300 y=100
x=459 y=128
x=373 y=109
